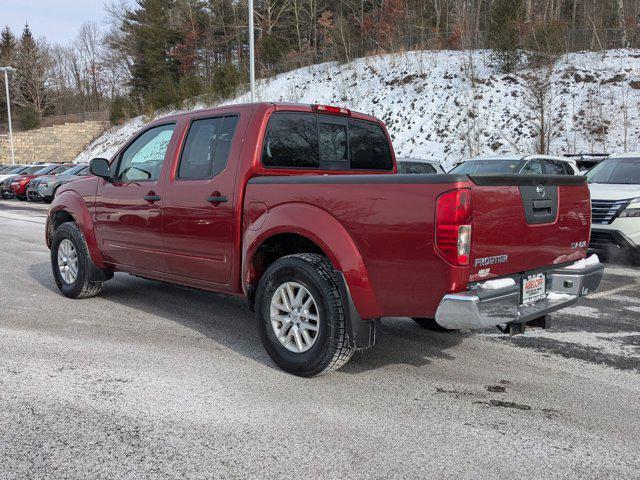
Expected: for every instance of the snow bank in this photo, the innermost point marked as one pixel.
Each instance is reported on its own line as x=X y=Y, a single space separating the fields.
x=584 y=263
x=498 y=284
x=451 y=105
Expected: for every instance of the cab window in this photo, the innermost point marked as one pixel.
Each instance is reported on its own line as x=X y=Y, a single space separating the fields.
x=206 y=149
x=292 y=141
x=307 y=140
x=143 y=159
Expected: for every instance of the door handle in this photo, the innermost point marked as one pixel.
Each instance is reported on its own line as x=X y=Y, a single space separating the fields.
x=152 y=198
x=217 y=199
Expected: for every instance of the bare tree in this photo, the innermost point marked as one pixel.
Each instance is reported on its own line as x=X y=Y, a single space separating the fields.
x=539 y=102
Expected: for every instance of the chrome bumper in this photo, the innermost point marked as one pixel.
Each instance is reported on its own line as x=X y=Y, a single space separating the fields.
x=476 y=309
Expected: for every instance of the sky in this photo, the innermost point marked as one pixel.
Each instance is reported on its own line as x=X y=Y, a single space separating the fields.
x=57 y=20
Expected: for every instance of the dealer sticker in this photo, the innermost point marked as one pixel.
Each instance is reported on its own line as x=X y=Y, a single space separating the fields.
x=534 y=288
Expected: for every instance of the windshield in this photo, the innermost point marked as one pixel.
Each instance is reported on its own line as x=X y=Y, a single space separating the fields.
x=487 y=166
x=74 y=170
x=17 y=169
x=39 y=169
x=622 y=171
x=58 y=170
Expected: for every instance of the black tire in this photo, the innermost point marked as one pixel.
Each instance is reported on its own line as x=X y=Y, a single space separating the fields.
x=331 y=349
x=81 y=287
x=431 y=324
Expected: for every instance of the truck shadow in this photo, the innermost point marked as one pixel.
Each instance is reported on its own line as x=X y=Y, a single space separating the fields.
x=227 y=321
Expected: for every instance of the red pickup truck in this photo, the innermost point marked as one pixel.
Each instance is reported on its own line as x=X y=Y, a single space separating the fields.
x=299 y=208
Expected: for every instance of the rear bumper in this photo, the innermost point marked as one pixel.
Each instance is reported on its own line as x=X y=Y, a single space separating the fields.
x=477 y=309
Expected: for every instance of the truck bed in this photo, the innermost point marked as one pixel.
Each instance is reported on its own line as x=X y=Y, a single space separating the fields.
x=391 y=221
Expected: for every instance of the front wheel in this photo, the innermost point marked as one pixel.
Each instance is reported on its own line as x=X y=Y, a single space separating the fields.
x=70 y=263
x=301 y=316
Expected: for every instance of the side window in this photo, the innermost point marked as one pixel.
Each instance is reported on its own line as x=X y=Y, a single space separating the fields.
x=554 y=167
x=143 y=159
x=568 y=169
x=533 y=167
x=206 y=149
x=428 y=168
x=291 y=141
x=369 y=146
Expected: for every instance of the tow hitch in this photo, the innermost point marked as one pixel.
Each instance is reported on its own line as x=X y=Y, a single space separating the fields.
x=518 y=328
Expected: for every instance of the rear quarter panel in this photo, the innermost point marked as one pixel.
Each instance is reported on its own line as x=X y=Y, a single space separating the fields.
x=390 y=221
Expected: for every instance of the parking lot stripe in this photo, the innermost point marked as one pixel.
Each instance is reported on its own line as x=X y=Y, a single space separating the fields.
x=622 y=288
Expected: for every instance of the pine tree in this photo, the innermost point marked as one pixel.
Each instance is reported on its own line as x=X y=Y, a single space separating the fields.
x=32 y=63
x=8 y=46
x=504 y=37
x=151 y=38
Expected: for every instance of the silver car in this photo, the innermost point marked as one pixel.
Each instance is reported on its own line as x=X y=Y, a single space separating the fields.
x=418 y=166
x=44 y=188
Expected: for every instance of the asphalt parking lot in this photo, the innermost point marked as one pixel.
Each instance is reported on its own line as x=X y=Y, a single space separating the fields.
x=155 y=381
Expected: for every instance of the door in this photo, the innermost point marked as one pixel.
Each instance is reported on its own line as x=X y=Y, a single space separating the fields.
x=199 y=198
x=128 y=209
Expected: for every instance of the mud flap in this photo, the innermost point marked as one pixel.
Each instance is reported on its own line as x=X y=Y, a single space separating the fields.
x=362 y=333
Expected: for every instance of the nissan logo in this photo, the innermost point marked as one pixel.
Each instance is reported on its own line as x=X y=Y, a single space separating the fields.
x=541 y=191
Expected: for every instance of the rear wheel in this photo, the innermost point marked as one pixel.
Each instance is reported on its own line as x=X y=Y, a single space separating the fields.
x=70 y=263
x=301 y=316
x=431 y=324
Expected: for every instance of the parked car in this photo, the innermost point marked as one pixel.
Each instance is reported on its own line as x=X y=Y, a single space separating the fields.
x=615 y=199
x=298 y=208
x=418 y=166
x=528 y=165
x=44 y=188
x=19 y=184
x=586 y=161
x=12 y=170
x=9 y=175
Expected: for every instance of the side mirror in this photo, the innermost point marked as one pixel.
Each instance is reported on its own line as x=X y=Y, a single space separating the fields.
x=100 y=167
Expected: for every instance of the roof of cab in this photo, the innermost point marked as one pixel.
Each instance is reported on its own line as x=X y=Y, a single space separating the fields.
x=279 y=106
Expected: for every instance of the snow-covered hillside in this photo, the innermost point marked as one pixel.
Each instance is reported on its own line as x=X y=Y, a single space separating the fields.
x=450 y=105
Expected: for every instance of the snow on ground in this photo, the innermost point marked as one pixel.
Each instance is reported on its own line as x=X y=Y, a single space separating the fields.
x=450 y=105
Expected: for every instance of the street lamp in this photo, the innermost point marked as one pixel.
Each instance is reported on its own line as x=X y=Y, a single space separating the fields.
x=7 y=71
x=252 y=66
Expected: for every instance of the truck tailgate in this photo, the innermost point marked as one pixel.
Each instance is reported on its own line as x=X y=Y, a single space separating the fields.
x=523 y=223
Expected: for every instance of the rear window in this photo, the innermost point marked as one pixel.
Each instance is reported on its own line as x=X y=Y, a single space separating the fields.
x=555 y=167
x=487 y=166
x=306 y=140
x=292 y=141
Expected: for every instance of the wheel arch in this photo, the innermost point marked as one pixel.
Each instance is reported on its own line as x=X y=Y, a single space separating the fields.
x=313 y=230
x=69 y=206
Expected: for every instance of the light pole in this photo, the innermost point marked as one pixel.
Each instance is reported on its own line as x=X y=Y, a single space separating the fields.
x=252 y=59
x=7 y=71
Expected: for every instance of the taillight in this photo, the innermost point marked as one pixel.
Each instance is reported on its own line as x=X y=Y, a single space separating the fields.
x=453 y=226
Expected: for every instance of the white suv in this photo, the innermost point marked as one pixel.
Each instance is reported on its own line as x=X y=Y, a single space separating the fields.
x=615 y=201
